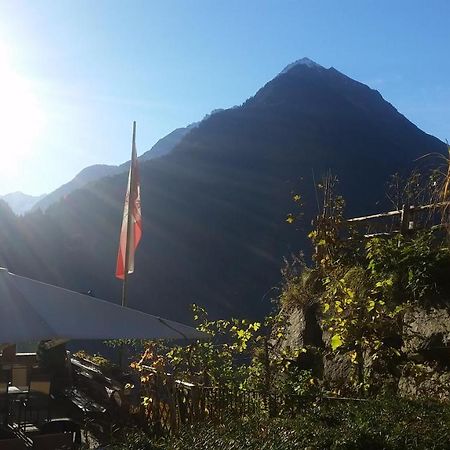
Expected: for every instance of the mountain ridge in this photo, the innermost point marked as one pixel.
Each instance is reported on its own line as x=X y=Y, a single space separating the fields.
x=214 y=208
x=97 y=171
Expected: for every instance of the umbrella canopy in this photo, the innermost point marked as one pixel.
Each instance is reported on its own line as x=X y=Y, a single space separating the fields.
x=34 y=311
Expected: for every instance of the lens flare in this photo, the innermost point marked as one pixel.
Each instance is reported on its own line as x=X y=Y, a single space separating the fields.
x=21 y=117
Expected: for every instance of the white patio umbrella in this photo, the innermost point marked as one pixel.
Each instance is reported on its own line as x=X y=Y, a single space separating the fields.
x=34 y=311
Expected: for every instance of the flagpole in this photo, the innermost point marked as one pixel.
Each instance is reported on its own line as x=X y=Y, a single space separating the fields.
x=131 y=201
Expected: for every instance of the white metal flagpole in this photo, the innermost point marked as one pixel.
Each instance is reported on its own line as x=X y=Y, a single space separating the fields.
x=131 y=202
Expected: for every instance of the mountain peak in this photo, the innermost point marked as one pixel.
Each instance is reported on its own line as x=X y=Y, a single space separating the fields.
x=302 y=62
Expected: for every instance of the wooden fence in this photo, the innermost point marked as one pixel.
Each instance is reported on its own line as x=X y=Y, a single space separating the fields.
x=170 y=403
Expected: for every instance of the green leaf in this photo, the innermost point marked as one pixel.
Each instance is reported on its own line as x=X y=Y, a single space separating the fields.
x=336 y=342
x=290 y=218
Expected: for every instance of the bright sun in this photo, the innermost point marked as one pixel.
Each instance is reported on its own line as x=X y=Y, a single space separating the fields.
x=21 y=118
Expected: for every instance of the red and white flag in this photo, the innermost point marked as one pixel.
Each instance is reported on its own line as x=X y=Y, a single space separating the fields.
x=131 y=231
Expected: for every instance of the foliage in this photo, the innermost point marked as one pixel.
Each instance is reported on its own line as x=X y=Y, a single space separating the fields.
x=440 y=185
x=382 y=424
x=223 y=360
x=359 y=320
x=134 y=439
x=326 y=234
x=240 y=355
x=218 y=360
x=415 y=267
x=96 y=359
x=300 y=283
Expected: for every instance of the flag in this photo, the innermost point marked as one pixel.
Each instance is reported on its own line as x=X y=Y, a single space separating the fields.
x=131 y=231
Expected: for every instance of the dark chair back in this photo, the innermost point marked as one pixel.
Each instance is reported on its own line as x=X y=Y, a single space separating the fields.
x=12 y=444
x=4 y=402
x=5 y=375
x=40 y=382
x=19 y=376
x=63 y=425
x=56 y=441
x=40 y=387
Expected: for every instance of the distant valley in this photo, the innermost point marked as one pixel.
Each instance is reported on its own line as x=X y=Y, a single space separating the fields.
x=21 y=203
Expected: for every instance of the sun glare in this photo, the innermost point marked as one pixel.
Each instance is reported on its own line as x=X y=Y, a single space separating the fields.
x=21 y=118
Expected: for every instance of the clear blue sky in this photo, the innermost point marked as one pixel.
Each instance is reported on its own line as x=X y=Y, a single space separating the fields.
x=76 y=73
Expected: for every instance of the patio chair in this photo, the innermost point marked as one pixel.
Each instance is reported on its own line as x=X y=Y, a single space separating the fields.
x=37 y=400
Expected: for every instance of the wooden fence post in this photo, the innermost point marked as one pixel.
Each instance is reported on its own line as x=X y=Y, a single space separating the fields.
x=404 y=219
x=268 y=376
x=156 y=415
x=195 y=406
x=172 y=400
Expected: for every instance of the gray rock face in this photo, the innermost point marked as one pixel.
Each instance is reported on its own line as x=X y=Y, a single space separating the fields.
x=425 y=382
x=338 y=370
x=295 y=329
x=426 y=344
x=425 y=331
x=423 y=370
x=303 y=327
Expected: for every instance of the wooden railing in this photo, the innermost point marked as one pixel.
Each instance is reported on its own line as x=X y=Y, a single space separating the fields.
x=405 y=220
